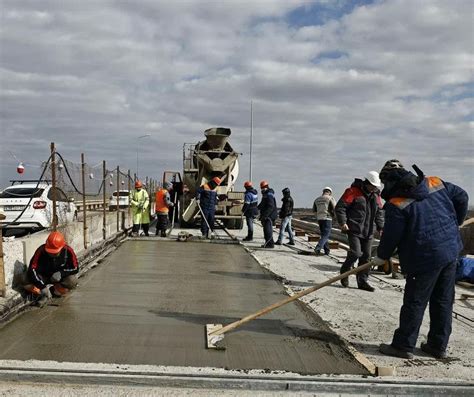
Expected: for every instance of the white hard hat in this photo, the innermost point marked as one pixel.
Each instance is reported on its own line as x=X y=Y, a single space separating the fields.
x=374 y=179
x=327 y=188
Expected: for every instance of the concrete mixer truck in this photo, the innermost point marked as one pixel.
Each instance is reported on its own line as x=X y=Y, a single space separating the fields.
x=203 y=161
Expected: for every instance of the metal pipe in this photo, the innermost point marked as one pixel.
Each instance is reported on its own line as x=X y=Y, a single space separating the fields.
x=129 y=187
x=84 y=209
x=104 y=196
x=118 y=209
x=53 y=182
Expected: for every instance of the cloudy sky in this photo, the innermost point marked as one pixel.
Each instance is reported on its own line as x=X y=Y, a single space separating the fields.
x=338 y=86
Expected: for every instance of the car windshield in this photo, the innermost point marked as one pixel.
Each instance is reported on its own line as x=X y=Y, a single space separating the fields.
x=121 y=194
x=21 y=192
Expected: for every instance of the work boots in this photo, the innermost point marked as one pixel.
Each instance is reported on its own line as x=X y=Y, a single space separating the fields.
x=249 y=237
x=163 y=233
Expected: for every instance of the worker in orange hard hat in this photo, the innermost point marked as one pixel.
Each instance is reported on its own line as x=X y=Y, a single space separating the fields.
x=52 y=270
x=206 y=199
x=140 y=203
x=268 y=213
x=250 y=210
x=162 y=205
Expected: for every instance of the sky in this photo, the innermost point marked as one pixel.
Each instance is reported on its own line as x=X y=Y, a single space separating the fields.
x=337 y=87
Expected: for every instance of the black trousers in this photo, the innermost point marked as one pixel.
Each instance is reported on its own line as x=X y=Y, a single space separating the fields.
x=437 y=288
x=145 y=227
x=268 y=232
x=359 y=249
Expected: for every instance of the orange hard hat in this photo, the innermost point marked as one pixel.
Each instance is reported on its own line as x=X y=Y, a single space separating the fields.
x=217 y=180
x=55 y=243
x=248 y=184
x=138 y=184
x=263 y=184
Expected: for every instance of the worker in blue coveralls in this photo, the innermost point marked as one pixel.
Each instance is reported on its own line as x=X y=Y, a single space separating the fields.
x=250 y=210
x=422 y=215
x=206 y=198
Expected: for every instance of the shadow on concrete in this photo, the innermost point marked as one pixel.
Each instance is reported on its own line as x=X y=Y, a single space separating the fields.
x=250 y=276
x=327 y=268
x=266 y=326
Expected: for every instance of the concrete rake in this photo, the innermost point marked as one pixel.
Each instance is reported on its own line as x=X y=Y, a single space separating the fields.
x=215 y=332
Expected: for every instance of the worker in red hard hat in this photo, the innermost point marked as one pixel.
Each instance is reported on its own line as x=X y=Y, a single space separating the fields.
x=162 y=205
x=206 y=199
x=52 y=270
x=268 y=213
x=140 y=203
x=250 y=210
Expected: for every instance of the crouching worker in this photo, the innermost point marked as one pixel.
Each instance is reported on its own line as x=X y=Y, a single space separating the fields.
x=52 y=270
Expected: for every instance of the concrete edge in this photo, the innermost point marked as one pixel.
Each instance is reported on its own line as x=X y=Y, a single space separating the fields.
x=358 y=356
x=207 y=380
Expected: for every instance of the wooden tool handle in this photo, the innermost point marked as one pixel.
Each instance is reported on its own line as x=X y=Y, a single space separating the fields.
x=307 y=291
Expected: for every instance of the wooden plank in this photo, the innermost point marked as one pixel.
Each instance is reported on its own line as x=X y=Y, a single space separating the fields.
x=313 y=238
x=300 y=233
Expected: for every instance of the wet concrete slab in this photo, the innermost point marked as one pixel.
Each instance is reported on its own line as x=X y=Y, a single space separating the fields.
x=148 y=302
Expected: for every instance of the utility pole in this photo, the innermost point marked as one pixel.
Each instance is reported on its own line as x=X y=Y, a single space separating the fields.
x=84 y=209
x=251 y=139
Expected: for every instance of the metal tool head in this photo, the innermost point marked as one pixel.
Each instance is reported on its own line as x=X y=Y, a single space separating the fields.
x=214 y=341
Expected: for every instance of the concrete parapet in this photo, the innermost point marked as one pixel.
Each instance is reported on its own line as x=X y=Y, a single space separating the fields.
x=19 y=251
x=467 y=235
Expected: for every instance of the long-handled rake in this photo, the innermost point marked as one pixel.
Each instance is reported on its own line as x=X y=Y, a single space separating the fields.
x=215 y=332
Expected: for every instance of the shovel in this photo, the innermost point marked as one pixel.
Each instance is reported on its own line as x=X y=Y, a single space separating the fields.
x=215 y=332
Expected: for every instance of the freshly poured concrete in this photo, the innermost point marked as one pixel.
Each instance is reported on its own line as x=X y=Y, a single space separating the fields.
x=148 y=304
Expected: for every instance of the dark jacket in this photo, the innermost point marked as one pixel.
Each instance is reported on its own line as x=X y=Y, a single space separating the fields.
x=268 y=207
x=423 y=225
x=250 y=209
x=42 y=266
x=287 y=205
x=207 y=197
x=360 y=210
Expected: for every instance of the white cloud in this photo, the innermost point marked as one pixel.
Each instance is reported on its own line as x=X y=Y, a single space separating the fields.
x=392 y=79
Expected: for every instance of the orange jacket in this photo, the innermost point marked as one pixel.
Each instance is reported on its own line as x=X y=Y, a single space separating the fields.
x=160 y=201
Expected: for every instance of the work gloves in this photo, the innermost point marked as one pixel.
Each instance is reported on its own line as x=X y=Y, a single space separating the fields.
x=56 y=277
x=198 y=202
x=46 y=293
x=378 y=261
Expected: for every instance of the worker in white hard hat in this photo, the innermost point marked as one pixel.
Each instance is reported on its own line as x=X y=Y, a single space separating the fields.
x=359 y=212
x=324 y=206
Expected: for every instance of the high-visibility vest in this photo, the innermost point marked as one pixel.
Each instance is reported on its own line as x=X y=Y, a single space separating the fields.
x=160 y=201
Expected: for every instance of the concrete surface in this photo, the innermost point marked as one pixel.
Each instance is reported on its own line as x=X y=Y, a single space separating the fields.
x=367 y=319
x=148 y=304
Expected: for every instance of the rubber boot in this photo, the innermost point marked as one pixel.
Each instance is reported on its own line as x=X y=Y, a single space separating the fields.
x=163 y=233
x=249 y=237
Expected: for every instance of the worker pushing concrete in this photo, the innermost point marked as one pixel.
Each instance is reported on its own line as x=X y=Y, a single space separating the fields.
x=250 y=210
x=140 y=203
x=422 y=215
x=357 y=211
x=52 y=269
x=206 y=198
x=162 y=205
x=268 y=213
x=325 y=207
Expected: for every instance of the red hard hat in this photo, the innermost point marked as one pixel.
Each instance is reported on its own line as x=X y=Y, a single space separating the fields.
x=138 y=184
x=263 y=184
x=217 y=180
x=55 y=243
x=248 y=184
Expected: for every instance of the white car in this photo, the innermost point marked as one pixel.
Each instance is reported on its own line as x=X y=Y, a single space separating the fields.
x=29 y=205
x=123 y=199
